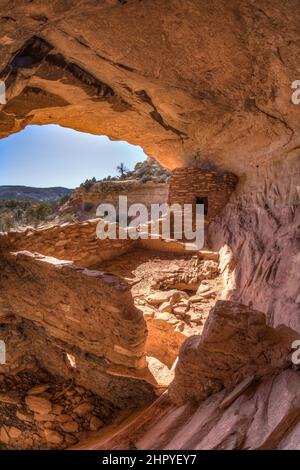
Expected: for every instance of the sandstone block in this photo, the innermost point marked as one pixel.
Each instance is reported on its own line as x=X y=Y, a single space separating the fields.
x=4 y=437
x=70 y=426
x=95 y=423
x=165 y=307
x=14 y=433
x=38 y=389
x=83 y=409
x=38 y=404
x=236 y=343
x=53 y=437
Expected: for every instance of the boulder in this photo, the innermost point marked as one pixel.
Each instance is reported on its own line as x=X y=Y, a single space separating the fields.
x=24 y=416
x=83 y=409
x=64 y=418
x=70 y=440
x=4 y=437
x=14 y=433
x=57 y=409
x=236 y=343
x=70 y=426
x=165 y=307
x=95 y=423
x=53 y=437
x=171 y=296
x=38 y=404
x=38 y=389
x=202 y=288
x=40 y=418
x=11 y=398
x=179 y=311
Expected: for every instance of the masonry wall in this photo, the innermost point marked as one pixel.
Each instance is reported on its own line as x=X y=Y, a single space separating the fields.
x=68 y=309
x=187 y=184
x=28 y=346
x=108 y=192
x=91 y=310
x=76 y=242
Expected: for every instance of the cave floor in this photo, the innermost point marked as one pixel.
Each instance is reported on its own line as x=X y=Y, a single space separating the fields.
x=41 y=411
x=175 y=293
x=148 y=272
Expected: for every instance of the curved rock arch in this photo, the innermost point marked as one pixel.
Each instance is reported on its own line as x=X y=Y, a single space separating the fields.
x=192 y=83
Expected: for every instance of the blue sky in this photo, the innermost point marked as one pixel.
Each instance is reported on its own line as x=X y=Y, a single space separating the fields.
x=51 y=155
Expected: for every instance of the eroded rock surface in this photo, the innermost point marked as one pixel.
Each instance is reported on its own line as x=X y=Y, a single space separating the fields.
x=258 y=238
x=253 y=421
x=236 y=343
x=191 y=83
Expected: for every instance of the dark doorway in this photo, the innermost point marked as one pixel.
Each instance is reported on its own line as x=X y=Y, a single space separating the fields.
x=204 y=201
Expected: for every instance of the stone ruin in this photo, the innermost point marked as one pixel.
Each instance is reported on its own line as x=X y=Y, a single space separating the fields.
x=199 y=186
x=114 y=320
x=197 y=85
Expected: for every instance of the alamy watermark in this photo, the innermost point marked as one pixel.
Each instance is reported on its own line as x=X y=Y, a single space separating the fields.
x=2 y=92
x=2 y=352
x=178 y=222
x=296 y=94
x=296 y=353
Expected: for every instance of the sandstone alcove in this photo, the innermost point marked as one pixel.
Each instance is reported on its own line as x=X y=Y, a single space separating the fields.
x=100 y=315
x=206 y=90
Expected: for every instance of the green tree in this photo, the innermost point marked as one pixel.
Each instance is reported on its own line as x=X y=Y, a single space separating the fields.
x=64 y=199
x=6 y=222
x=43 y=210
x=88 y=183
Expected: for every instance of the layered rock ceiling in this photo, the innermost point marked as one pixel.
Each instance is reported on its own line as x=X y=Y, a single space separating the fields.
x=197 y=84
x=190 y=82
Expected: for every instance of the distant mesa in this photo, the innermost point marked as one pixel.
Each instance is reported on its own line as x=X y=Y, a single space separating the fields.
x=27 y=193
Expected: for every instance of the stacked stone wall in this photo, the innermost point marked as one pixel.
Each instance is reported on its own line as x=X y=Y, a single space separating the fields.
x=188 y=184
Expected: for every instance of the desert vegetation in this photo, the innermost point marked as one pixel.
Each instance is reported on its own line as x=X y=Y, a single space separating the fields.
x=15 y=214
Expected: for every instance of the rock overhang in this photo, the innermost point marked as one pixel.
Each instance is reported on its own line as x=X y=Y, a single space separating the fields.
x=194 y=85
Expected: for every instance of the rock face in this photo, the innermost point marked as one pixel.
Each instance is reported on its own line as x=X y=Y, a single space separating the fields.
x=253 y=421
x=221 y=100
x=197 y=83
x=258 y=238
x=236 y=343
